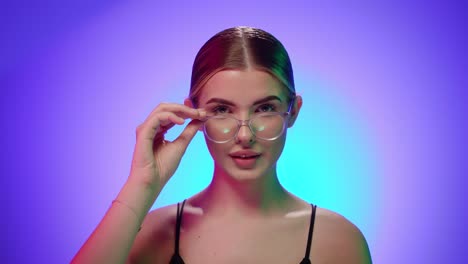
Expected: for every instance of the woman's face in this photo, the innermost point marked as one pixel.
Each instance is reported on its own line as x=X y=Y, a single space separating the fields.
x=243 y=94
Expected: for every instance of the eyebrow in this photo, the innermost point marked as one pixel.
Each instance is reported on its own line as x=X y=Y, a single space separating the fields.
x=268 y=98
x=227 y=102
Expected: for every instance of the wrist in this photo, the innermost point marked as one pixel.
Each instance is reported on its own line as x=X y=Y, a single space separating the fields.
x=138 y=197
x=145 y=179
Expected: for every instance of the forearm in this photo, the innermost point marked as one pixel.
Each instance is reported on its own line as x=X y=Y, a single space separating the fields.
x=112 y=239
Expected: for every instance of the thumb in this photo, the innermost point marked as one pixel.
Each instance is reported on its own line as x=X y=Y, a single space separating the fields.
x=189 y=132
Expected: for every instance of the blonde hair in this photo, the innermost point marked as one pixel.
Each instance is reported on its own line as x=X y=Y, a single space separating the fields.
x=241 y=48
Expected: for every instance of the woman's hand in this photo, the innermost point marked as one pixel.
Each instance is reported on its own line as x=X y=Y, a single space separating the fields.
x=156 y=159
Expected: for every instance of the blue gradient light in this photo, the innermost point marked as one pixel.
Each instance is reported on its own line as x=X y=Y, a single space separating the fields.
x=380 y=138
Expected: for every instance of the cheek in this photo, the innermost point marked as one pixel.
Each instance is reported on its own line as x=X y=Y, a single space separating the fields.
x=216 y=150
x=275 y=148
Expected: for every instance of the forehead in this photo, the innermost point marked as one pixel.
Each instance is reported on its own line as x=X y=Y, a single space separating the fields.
x=242 y=87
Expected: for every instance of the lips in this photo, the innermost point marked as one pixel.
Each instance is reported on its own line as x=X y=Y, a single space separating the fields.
x=245 y=159
x=244 y=154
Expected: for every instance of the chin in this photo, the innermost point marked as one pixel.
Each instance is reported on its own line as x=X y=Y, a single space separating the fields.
x=244 y=176
x=240 y=174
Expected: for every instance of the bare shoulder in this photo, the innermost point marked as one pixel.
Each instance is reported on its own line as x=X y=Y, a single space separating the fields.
x=336 y=223
x=338 y=240
x=154 y=240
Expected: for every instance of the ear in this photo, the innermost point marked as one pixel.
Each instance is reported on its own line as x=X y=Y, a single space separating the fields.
x=188 y=103
x=295 y=110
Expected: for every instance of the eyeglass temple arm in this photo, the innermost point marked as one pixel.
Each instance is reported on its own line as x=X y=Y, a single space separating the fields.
x=291 y=104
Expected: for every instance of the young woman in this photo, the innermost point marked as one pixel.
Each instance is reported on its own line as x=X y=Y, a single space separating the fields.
x=243 y=98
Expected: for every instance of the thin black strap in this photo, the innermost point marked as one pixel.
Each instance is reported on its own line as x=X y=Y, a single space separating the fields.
x=309 y=238
x=178 y=224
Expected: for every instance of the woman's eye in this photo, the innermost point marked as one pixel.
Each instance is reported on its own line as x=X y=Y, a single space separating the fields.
x=220 y=109
x=266 y=108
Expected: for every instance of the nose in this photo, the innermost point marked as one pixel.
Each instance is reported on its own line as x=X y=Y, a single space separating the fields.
x=244 y=135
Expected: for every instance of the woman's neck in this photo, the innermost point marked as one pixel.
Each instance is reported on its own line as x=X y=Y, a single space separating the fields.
x=228 y=196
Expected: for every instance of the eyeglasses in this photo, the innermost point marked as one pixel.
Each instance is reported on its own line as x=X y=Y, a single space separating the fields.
x=266 y=126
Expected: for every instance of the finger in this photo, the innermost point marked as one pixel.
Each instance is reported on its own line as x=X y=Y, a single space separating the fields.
x=162 y=130
x=180 y=110
x=168 y=120
x=188 y=133
x=158 y=124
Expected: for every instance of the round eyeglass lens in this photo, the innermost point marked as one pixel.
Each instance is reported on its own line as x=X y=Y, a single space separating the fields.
x=267 y=126
x=221 y=128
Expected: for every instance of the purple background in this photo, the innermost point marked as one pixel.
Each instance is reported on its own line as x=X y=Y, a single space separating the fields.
x=381 y=138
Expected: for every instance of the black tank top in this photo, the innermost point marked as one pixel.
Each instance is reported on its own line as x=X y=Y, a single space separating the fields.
x=177 y=259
